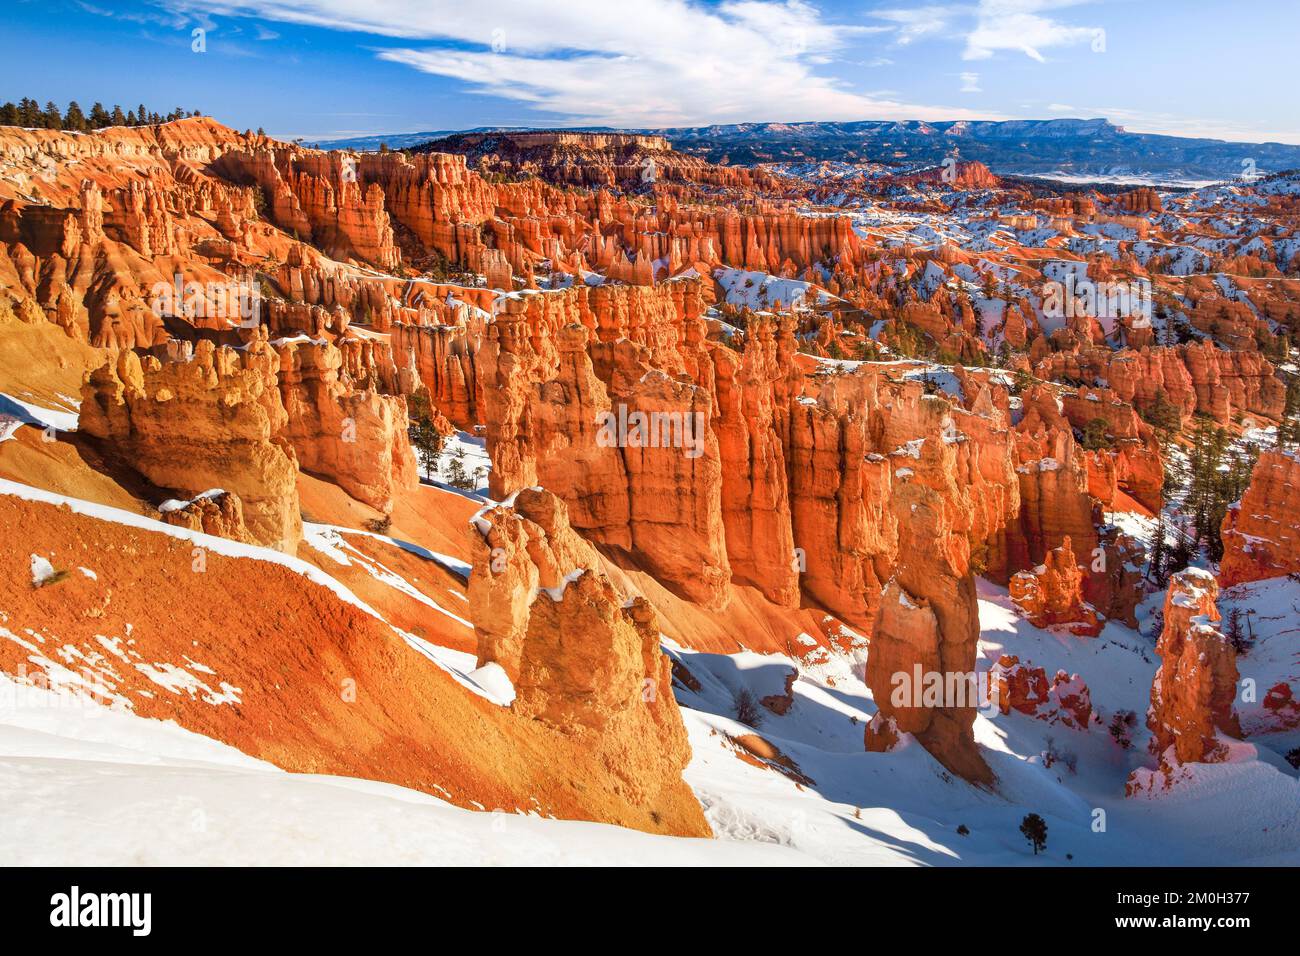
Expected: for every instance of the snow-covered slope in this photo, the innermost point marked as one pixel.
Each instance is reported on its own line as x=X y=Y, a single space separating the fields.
x=826 y=797
x=794 y=785
x=106 y=788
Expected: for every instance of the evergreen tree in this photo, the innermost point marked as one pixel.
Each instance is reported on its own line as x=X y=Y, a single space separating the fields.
x=1095 y=436
x=74 y=119
x=29 y=113
x=1234 y=632
x=1181 y=554
x=1288 y=430
x=1206 y=455
x=1156 y=568
x=457 y=476
x=1034 y=829
x=1288 y=433
x=1162 y=414
x=99 y=117
x=9 y=115
x=119 y=118
x=425 y=438
x=1219 y=476
x=52 y=118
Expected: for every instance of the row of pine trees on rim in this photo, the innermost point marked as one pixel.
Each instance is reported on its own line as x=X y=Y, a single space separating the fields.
x=28 y=113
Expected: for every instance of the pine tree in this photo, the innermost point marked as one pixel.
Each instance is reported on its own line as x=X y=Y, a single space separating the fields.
x=457 y=476
x=1288 y=433
x=1234 y=632
x=1162 y=414
x=425 y=438
x=1207 y=453
x=99 y=117
x=1034 y=829
x=52 y=118
x=118 y=117
x=1219 y=476
x=1288 y=430
x=1156 y=568
x=9 y=115
x=1231 y=485
x=1181 y=554
x=1095 y=435
x=29 y=113
x=74 y=119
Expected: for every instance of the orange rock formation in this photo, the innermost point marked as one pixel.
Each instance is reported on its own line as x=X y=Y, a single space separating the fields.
x=1194 y=689
x=355 y=437
x=1261 y=532
x=1052 y=593
x=211 y=422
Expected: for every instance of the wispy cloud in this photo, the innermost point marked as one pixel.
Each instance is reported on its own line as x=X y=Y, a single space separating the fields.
x=970 y=82
x=650 y=63
x=914 y=23
x=156 y=17
x=989 y=26
x=1020 y=25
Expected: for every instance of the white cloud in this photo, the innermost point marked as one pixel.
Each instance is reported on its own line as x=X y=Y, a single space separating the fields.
x=992 y=25
x=648 y=63
x=970 y=83
x=914 y=23
x=1019 y=25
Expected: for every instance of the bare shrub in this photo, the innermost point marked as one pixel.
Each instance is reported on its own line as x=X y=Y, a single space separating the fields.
x=746 y=707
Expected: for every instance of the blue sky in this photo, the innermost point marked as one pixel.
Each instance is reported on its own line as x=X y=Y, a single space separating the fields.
x=332 y=68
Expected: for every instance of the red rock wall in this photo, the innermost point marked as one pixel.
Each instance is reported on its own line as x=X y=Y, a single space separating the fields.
x=356 y=438
x=212 y=422
x=1197 y=378
x=1261 y=532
